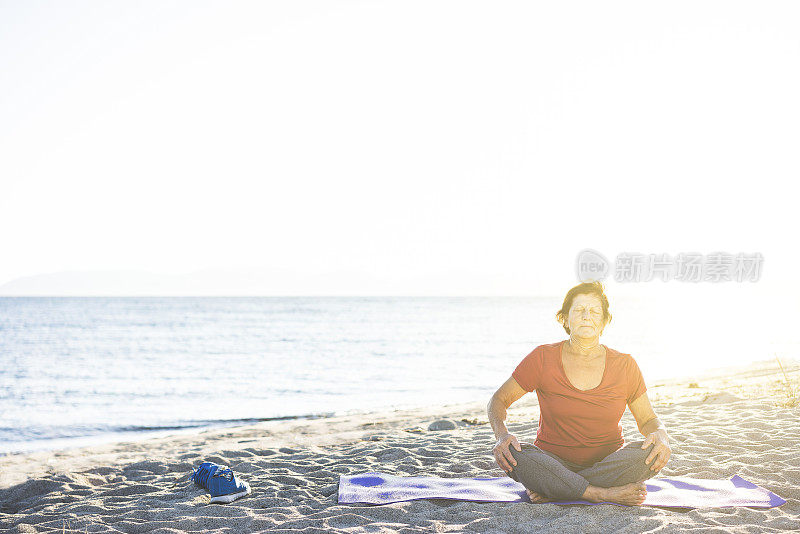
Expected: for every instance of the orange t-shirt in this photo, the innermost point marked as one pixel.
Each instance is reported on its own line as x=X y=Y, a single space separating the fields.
x=580 y=426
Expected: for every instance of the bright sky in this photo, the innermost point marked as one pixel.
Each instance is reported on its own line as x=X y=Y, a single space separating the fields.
x=395 y=147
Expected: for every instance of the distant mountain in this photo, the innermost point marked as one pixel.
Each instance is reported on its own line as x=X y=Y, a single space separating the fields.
x=266 y=283
x=207 y=282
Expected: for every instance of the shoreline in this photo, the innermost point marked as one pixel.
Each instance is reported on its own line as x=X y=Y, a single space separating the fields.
x=756 y=382
x=718 y=377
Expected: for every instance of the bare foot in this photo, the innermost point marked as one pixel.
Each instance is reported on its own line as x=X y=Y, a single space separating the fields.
x=632 y=494
x=535 y=497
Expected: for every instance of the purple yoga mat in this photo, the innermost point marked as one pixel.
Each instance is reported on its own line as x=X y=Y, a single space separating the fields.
x=682 y=492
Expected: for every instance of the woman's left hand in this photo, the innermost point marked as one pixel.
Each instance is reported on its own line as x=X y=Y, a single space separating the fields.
x=661 y=450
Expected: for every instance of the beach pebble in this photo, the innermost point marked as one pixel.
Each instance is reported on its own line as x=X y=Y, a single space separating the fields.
x=24 y=527
x=442 y=424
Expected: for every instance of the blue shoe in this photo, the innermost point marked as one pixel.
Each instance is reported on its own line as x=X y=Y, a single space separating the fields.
x=220 y=482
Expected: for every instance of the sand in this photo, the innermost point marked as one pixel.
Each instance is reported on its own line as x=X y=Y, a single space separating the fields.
x=734 y=422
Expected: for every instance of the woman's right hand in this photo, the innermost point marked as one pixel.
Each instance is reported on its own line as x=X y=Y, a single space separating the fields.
x=502 y=454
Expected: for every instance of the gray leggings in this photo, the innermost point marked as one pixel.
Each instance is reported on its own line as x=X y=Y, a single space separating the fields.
x=556 y=478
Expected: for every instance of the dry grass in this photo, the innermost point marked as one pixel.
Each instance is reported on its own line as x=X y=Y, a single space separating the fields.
x=790 y=391
x=64 y=528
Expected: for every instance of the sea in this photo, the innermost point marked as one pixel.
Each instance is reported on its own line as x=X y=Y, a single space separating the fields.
x=78 y=371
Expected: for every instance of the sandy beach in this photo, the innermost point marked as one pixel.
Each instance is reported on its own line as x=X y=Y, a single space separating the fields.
x=738 y=421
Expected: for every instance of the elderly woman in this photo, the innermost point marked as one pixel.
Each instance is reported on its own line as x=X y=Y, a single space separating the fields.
x=583 y=388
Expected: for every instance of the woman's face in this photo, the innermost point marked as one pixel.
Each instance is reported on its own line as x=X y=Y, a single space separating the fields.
x=586 y=316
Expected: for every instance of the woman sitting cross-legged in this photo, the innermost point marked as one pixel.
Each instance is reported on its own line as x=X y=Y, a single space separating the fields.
x=583 y=388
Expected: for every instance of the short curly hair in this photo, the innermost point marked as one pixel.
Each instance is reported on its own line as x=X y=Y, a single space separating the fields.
x=592 y=287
